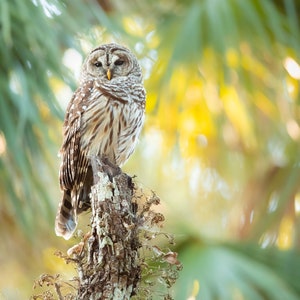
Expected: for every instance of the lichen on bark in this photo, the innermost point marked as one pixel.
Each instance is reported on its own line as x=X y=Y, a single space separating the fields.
x=119 y=257
x=110 y=268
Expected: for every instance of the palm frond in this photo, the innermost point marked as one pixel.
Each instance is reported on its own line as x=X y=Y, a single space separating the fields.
x=236 y=271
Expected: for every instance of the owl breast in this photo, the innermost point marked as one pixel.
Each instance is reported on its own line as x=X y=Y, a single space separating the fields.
x=110 y=127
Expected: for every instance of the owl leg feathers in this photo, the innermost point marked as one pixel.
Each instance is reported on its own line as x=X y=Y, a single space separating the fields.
x=66 y=218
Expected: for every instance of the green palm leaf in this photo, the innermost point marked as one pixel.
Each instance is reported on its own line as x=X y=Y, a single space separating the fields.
x=238 y=271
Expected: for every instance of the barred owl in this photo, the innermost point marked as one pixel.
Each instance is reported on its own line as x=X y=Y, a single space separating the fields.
x=103 y=119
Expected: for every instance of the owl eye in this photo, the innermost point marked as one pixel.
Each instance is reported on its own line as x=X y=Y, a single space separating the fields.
x=98 y=64
x=119 y=62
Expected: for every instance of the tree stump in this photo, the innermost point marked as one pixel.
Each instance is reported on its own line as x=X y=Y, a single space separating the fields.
x=111 y=269
x=118 y=259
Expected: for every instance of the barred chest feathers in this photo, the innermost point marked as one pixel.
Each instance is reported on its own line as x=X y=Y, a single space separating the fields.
x=110 y=127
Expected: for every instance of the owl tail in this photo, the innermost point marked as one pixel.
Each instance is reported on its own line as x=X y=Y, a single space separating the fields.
x=66 y=218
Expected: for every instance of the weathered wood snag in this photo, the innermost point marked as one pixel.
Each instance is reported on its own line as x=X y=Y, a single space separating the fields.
x=118 y=258
x=111 y=269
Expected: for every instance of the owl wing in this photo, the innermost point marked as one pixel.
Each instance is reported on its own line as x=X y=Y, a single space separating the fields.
x=73 y=159
x=74 y=167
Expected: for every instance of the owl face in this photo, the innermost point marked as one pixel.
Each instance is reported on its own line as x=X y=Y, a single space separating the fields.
x=109 y=62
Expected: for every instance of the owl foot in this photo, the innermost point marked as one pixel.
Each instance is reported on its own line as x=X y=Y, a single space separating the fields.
x=110 y=169
x=105 y=166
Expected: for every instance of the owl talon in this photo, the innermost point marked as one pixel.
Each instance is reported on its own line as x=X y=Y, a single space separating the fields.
x=110 y=169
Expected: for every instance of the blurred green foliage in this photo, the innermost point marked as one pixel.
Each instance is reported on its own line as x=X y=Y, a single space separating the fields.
x=220 y=144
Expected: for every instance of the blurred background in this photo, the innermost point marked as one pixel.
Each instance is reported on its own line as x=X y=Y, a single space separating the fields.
x=220 y=145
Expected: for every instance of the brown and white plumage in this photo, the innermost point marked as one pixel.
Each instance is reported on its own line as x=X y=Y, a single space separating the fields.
x=103 y=119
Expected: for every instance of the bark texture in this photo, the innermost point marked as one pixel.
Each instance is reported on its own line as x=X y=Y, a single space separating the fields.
x=111 y=268
x=118 y=258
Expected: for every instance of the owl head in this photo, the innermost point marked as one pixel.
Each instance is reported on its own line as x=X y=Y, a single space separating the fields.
x=109 y=62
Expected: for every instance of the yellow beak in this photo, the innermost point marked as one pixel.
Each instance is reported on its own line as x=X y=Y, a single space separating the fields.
x=108 y=74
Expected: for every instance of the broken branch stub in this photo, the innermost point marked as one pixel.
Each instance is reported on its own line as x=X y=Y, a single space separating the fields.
x=119 y=257
x=111 y=268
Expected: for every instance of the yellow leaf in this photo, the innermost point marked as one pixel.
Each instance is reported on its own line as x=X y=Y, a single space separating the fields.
x=265 y=105
x=232 y=58
x=237 y=114
x=133 y=27
x=195 y=291
x=286 y=233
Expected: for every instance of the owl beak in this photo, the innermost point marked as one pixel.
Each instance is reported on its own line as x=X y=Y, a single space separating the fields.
x=108 y=74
